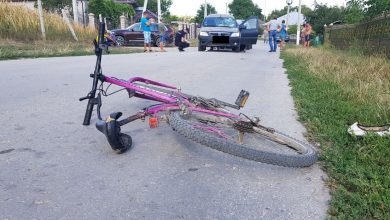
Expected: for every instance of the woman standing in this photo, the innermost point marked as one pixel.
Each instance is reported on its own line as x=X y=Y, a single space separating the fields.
x=282 y=34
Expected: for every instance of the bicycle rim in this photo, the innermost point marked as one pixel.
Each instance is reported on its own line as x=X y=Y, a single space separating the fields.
x=272 y=147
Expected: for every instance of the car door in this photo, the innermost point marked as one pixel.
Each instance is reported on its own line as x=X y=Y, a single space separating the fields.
x=135 y=35
x=249 y=30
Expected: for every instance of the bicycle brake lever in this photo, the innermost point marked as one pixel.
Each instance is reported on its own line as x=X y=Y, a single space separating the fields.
x=84 y=98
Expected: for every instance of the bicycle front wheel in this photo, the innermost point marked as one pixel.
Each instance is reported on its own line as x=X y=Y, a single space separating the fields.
x=253 y=143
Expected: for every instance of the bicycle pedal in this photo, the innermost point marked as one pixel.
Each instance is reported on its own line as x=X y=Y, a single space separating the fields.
x=153 y=122
x=242 y=98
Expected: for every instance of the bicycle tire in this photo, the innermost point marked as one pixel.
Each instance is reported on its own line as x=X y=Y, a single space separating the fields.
x=185 y=128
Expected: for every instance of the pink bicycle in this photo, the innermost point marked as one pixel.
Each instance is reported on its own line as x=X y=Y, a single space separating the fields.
x=203 y=120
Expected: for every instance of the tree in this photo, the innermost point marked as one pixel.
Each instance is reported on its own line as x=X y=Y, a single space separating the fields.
x=56 y=5
x=306 y=11
x=110 y=10
x=152 y=6
x=355 y=11
x=200 y=13
x=242 y=9
x=377 y=7
x=322 y=14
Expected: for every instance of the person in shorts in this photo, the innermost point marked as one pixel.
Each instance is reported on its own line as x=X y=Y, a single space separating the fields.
x=307 y=32
x=162 y=35
x=145 y=25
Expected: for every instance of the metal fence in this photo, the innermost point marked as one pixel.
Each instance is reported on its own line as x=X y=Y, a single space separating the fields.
x=372 y=37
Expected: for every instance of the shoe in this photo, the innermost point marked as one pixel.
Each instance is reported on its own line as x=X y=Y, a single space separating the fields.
x=271 y=51
x=361 y=130
x=181 y=49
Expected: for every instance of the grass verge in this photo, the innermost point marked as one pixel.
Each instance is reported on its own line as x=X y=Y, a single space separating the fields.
x=333 y=89
x=16 y=50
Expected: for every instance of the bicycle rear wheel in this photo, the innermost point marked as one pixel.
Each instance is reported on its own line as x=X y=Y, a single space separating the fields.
x=262 y=145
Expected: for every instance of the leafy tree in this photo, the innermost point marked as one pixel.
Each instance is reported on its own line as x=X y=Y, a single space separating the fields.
x=243 y=9
x=306 y=11
x=168 y=19
x=152 y=6
x=322 y=14
x=111 y=10
x=200 y=13
x=56 y=5
x=292 y=29
x=355 y=11
x=377 y=7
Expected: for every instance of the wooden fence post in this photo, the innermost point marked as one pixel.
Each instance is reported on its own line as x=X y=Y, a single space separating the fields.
x=91 y=19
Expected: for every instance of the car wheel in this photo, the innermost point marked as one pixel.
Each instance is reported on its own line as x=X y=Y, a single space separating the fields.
x=242 y=47
x=236 y=49
x=201 y=48
x=120 y=40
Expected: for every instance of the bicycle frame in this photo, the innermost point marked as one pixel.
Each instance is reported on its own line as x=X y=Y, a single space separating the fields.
x=171 y=101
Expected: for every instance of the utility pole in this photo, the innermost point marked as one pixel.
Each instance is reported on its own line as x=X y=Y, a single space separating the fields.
x=75 y=12
x=145 y=5
x=41 y=19
x=289 y=2
x=205 y=8
x=226 y=7
x=299 y=22
x=265 y=7
x=159 y=11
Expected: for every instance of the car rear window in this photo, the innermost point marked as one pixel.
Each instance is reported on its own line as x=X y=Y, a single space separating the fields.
x=219 y=22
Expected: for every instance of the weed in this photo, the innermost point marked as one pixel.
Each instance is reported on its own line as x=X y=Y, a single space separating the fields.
x=333 y=89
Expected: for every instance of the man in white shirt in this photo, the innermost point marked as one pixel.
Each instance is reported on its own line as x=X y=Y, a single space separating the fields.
x=272 y=28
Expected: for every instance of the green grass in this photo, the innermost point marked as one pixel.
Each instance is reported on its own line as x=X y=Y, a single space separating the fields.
x=358 y=168
x=17 y=50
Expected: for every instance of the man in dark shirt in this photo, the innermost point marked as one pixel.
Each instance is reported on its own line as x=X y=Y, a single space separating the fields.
x=180 y=39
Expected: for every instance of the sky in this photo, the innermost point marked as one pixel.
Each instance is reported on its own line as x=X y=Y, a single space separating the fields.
x=190 y=7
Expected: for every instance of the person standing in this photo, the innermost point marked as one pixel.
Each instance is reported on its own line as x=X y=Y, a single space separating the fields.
x=162 y=36
x=272 y=28
x=145 y=25
x=307 y=32
x=180 y=39
x=265 y=35
x=282 y=34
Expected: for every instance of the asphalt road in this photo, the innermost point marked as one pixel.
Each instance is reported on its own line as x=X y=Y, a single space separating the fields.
x=52 y=167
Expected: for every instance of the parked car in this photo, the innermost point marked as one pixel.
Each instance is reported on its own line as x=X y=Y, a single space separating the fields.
x=134 y=36
x=222 y=31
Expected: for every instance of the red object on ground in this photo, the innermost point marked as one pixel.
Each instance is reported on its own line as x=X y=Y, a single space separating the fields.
x=153 y=122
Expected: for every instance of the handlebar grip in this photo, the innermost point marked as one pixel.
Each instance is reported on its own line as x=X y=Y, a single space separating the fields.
x=88 y=113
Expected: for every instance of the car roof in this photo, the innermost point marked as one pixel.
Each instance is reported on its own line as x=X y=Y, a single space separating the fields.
x=220 y=15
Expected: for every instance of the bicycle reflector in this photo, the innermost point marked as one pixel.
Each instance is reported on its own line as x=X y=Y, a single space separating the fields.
x=153 y=122
x=242 y=98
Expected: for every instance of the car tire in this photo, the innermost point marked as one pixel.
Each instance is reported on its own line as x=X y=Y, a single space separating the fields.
x=120 y=40
x=201 y=48
x=157 y=42
x=236 y=49
x=242 y=47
